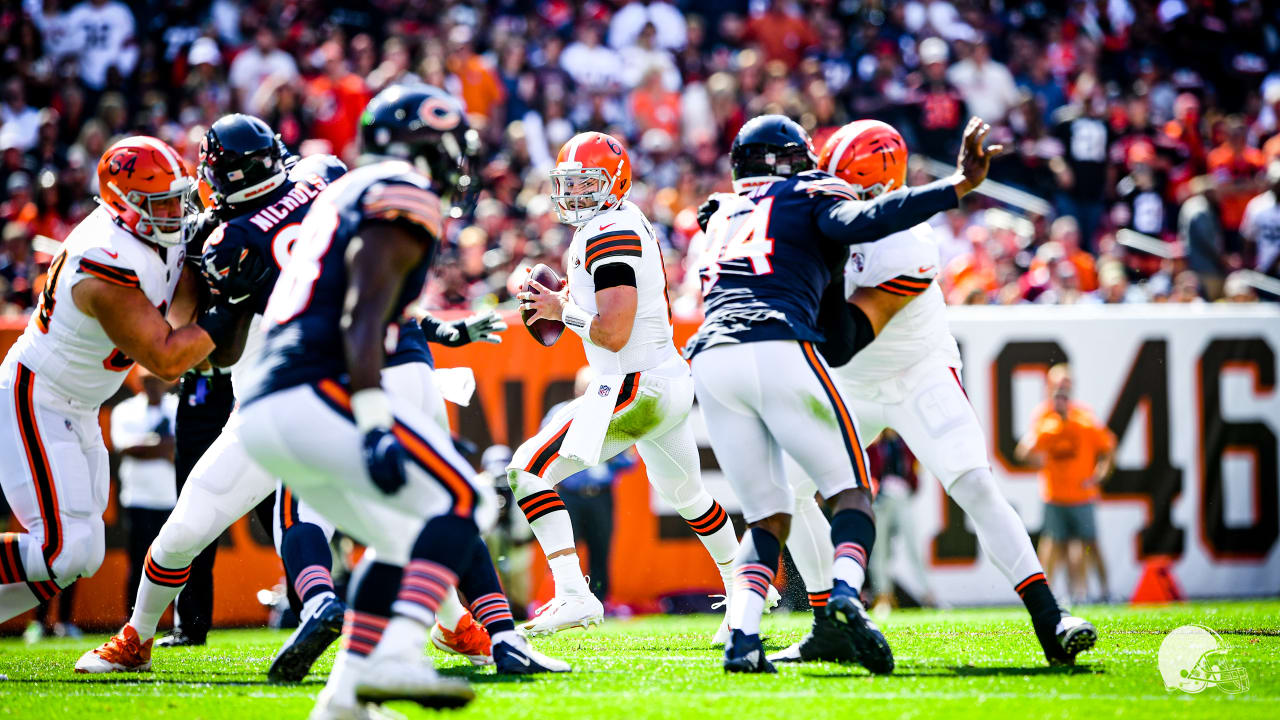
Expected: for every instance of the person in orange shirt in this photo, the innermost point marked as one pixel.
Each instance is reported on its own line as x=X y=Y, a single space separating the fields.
x=1237 y=168
x=1075 y=454
x=336 y=98
x=482 y=91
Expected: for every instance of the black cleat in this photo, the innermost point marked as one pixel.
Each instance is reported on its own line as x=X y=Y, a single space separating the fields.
x=745 y=654
x=179 y=638
x=846 y=611
x=1074 y=636
x=307 y=643
x=519 y=658
x=824 y=642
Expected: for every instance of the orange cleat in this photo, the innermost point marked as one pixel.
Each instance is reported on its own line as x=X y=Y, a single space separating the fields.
x=469 y=639
x=122 y=653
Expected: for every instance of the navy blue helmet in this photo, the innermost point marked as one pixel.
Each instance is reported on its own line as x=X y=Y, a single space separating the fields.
x=771 y=145
x=426 y=127
x=242 y=160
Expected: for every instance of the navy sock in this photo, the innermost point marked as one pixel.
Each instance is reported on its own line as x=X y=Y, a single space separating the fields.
x=373 y=590
x=489 y=604
x=304 y=549
x=853 y=533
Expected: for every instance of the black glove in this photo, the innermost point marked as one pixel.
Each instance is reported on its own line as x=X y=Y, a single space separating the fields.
x=220 y=321
x=384 y=457
x=199 y=228
x=239 y=277
x=706 y=210
x=481 y=327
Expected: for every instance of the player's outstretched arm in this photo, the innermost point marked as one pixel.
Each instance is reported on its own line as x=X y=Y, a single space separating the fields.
x=480 y=327
x=139 y=330
x=853 y=222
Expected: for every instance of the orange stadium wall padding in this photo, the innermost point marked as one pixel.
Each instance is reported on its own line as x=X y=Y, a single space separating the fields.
x=1184 y=387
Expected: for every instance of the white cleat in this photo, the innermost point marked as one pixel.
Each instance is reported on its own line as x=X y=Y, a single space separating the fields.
x=721 y=638
x=325 y=710
x=564 y=612
x=407 y=678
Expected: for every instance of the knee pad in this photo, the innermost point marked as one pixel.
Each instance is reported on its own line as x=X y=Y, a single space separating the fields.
x=178 y=544
x=82 y=553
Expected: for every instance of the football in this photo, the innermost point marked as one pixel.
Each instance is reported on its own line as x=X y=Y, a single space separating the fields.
x=544 y=331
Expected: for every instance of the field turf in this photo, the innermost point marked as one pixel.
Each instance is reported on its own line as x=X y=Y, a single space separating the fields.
x=951 y=664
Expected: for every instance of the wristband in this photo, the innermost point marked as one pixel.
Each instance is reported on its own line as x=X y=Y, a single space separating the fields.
x=577 y=320
x=371 y=409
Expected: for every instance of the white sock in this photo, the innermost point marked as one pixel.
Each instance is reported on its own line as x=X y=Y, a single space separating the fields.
x=810 y=545
x=999 y=529
x=149 y=605
x=705 y=515
x=310 y=607
x=450 y=612
x=550 y=523
x=404 y=637
x=568 y=575
x=850 y=571
x=509 y=637
x=745 y=609
x=343 y=678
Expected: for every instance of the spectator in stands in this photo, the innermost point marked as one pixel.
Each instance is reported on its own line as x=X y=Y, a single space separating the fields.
x=335 y=99
x=1082 y=171
x=1200 y=232
x=1235 y=168
x=1260 y=226
x=142 y=441
x=1075 y=454
x=18 y=119
x=782 y=32
x=102 y=34
x=257 y=64
x=480 y=87
x=987 y=86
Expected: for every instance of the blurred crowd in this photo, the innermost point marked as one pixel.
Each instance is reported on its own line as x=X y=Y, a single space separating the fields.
x=1140 y=131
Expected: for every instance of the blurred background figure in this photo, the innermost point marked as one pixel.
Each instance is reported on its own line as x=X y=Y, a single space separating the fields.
x=588 y=496
x=143 y=442
x=1075 y=454
x=896 y=542
x=511 y=541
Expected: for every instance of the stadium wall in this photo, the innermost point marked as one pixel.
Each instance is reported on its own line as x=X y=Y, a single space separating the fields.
x=1189 y=390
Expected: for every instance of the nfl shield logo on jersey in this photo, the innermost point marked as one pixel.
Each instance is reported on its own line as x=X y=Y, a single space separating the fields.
x=604 y=390
x=858 y=262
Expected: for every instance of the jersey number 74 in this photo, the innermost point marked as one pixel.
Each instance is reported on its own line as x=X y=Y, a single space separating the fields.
x=732 y=242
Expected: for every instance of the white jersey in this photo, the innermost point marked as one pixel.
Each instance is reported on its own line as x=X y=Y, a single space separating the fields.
x=904 y=263
x=69 y=350
x=623 y=235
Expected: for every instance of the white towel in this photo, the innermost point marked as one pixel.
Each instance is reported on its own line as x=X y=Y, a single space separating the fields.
x=456 y=385
x=586 y=433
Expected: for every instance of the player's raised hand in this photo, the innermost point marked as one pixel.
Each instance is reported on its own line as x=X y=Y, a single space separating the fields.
x=545 y=302
x=484 y=327
x=975 y=156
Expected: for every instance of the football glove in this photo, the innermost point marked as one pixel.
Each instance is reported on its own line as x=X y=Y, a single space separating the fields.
x=481 y=327
x=235 y=277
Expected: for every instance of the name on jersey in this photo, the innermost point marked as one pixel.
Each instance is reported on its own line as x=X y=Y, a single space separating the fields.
x=301 y=194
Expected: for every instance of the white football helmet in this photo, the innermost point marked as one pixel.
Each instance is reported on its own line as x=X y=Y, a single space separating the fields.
x=1193 y=657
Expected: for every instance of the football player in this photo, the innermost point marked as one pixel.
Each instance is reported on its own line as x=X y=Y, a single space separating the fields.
x=103 y=307
x=763 y=386
x=320 y=414
x=259 y=196
x=904 y=375
x=616 y=301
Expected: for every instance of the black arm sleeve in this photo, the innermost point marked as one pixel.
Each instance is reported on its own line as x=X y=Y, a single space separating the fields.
x=850 y=221
x=612 y=275
x=846 y=327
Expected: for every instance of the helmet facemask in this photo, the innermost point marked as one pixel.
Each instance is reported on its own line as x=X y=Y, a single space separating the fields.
x=161 y=215
x=579 y=194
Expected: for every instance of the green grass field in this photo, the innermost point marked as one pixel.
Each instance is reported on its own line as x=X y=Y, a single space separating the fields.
x=951 y=664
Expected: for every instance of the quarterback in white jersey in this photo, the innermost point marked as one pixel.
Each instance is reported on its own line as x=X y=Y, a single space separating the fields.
x=904 y=375
x=103 y=307
x=642 y=393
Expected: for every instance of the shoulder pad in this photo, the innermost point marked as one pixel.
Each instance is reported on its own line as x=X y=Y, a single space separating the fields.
x=389 y=200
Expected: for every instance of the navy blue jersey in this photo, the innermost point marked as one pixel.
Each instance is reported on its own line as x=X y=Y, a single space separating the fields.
x=304 y=341
x=271 y=227
x=767 y=280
